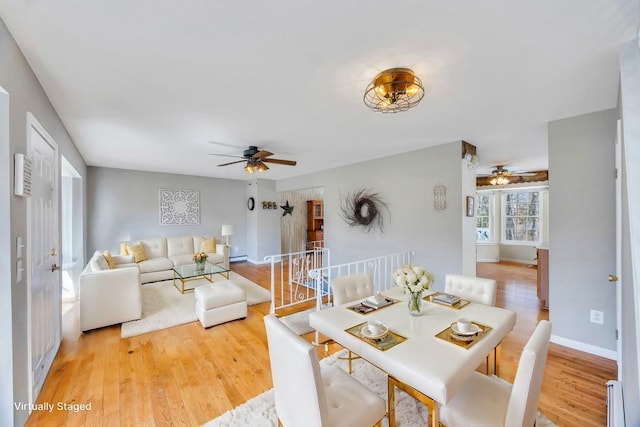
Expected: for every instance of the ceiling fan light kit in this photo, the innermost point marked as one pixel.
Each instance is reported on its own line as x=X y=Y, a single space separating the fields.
x=394 y=90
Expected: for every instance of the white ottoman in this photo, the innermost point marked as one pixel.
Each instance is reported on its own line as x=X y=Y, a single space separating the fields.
x=220 y=302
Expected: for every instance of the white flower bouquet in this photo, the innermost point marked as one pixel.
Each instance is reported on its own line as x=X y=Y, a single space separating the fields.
x=413 y=279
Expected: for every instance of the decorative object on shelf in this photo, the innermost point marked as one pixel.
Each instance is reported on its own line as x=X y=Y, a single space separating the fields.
x=269 y=205
x=469 y=155
x=251 y=203
x=200 y=258
x=470 y=206
x=414 y=281
x=179 y=207
x=288 y=209
x=364 y=208
x=394 y=90
x=439 y=197
x=227 y=230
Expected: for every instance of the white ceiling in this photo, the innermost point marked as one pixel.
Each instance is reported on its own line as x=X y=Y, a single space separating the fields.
x=147 y=84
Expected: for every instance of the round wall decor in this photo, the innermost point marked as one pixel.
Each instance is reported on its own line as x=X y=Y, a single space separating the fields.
x=251 y=203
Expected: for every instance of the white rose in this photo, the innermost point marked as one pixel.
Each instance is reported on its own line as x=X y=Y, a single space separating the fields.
x=419 y=271
x=411 y=277
x=400 y=281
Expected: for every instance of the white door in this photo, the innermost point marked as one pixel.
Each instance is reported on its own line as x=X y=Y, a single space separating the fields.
x=616 y=277
x=44 y=274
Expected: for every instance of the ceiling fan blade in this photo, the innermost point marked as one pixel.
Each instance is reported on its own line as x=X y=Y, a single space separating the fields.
x=262 y=154
x=226 y=155
x=281 y=162
x=232 y=163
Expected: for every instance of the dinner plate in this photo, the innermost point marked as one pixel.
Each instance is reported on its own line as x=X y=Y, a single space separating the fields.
x=473 y=331
x=365 y=332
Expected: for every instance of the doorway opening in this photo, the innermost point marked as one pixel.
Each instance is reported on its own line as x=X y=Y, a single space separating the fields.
x=71 y=231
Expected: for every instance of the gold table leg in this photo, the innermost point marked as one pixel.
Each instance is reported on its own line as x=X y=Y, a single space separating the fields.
x=431 y=404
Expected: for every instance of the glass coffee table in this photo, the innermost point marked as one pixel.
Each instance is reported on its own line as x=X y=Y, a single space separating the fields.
x=185 y=273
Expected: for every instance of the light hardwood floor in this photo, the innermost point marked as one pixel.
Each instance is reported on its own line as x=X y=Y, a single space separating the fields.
x=186 y=375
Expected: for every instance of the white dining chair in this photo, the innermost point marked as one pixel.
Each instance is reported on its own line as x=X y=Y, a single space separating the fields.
x=485 y=401
x=474 y=289
x=350 y=288
x=307 y=394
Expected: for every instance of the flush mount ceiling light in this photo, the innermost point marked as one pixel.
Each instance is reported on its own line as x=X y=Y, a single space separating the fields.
x=394 y=90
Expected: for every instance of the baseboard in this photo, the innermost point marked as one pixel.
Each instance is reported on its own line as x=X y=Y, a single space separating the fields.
x=252 y=261
x=487 y=260
x=587 y=348
x=520 y=261
x=237 y=258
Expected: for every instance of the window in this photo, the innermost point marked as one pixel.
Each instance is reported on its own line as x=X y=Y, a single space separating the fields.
x=484 y=224
x=521 y=217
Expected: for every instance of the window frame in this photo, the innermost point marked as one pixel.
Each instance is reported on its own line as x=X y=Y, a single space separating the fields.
x=492 y=221
x=503 y=218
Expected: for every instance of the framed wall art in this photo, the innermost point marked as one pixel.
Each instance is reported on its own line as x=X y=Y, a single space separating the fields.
x=470 y=206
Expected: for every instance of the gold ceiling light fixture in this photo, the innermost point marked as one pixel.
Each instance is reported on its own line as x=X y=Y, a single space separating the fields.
x=394 y=90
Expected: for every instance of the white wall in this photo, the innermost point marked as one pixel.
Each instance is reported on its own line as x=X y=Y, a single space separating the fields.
x=26 y=95
x=582 y=230
x=405 y=182
x=123 y=206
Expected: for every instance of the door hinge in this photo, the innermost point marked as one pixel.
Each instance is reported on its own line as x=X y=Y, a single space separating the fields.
x=616 y=334
x=615 y=174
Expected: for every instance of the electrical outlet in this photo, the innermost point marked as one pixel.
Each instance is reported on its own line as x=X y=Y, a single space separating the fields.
x=597 y=317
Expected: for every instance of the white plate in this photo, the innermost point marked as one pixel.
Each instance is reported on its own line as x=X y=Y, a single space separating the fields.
x=365 y=332
x=474 y=330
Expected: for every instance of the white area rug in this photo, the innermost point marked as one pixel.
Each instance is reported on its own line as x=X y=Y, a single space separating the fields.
x=163 y=306
x=260 y=411
x=299 y=322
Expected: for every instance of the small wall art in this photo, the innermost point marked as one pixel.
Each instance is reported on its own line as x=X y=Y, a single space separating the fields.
x=179 y=207
x=366 y=209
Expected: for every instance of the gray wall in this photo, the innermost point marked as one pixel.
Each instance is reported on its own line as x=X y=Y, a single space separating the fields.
x=263 y=225
x=26 y=95
x=582 y=227
x=405 y=182
x=122 y=205
x=630 y=280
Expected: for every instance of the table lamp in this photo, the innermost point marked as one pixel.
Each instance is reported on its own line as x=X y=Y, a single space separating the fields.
x=227 y=230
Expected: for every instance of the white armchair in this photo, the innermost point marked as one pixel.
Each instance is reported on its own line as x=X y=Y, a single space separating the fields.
x=309 y=395
x=474 y=289
x=109 y=296
x=485 y=401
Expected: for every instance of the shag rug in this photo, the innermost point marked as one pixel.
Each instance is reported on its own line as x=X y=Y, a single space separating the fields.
x=163 y=306
x=260 y=411
x=299 y=322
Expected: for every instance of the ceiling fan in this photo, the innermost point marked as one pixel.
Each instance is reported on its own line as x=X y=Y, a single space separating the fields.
x=255 y=159
x=501 y=175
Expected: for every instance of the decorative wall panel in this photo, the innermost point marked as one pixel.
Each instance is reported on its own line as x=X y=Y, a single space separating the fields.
x=179 y=207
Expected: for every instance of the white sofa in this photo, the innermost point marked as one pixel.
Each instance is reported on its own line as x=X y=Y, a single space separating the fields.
x=164 y=253
x=110 y=295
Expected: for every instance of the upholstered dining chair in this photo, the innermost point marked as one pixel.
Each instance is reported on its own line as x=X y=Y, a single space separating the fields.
x=307 y=394
x=490 y=401
x=350 y=288
x=474 y=289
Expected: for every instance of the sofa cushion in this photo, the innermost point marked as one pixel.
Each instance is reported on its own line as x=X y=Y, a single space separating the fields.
x=155 y=264
x=155 y=248
x=98 y=263
x=138 y=251
x=110 y=261
x=179 y=260
x=208 y=245
x=126 y=265
x=179 y=246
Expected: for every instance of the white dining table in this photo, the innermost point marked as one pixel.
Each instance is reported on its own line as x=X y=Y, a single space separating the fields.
x=423 y=362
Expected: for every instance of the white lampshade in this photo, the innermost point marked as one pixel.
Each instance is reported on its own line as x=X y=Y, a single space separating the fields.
x=227 y=230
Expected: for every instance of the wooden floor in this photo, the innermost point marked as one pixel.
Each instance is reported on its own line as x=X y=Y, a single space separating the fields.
x=186 y=375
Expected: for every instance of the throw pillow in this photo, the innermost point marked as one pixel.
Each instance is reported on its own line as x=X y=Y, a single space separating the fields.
x=98 y=263
x=138 y=252
x=110 y=262
x=208 y=245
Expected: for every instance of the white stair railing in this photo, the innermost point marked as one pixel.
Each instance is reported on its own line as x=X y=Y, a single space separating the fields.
x=290 y=281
